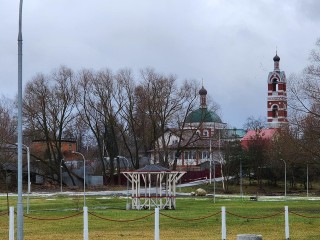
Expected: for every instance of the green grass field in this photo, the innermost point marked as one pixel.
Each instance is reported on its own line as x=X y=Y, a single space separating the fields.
x=60 y=217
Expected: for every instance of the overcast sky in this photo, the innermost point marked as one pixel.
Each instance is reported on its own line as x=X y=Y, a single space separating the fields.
x=227 y=43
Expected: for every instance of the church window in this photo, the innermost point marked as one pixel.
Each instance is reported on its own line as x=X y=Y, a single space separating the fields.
x=275 y=111
x=205 y=133
x=205 y=155
x=274 y=85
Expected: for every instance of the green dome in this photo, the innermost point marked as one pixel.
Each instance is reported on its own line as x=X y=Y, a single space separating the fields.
x=202 y=115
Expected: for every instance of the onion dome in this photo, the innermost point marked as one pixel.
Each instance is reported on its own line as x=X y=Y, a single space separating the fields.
x=203 y=91
x=276 y=58
x=203 y=115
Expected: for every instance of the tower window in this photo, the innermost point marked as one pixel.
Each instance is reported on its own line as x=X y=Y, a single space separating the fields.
x=274 y=85
x=275 y=111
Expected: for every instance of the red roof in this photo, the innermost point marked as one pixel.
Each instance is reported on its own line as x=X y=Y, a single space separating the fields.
x=263 y=134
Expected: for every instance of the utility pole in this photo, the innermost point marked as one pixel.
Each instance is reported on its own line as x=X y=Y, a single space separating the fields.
x=19 y=203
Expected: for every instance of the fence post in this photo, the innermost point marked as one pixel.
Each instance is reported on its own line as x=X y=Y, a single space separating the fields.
x=11 y=223
x=223 y=223
x=85 y=224
x=156 y=224
x=286 y=212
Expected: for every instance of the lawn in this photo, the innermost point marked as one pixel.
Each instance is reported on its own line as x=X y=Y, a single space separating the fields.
x=60 y=217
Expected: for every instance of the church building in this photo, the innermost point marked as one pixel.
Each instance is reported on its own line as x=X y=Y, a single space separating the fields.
x=203 y=132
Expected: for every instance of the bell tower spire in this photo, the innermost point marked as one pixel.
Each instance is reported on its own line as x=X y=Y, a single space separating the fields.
x=203 y=97
x=277 y=96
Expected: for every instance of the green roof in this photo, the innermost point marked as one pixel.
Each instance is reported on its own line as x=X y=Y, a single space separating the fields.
x=202 y=115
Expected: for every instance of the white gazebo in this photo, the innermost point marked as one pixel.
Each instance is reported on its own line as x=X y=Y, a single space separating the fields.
x=153 y=186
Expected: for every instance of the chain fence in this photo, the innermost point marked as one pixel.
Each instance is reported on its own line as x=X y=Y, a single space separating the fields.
x=302 y=224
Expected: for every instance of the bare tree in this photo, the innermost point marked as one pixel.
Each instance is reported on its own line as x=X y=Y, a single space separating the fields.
x=167 y=105
x=131 y=123
x=48 y=109
x=8 y=126
x=96 y=106
x=8 y=133
x=305 y=104
x=253 y=123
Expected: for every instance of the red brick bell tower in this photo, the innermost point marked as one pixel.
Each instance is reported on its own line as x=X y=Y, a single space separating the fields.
x=277 y=96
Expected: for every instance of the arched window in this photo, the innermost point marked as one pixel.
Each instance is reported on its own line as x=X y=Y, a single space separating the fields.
x=274 y=111
x=274 y=85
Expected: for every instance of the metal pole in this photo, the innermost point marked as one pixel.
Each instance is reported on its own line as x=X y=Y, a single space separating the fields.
x=285 y=178
x=19 y=203
x=214 y=175
x=307 y=180
x=214 y=182
x=28 y=169
x=210 y=171
x=127 y=184
x=29 y=183
x=84 y=177
x=241 y=192
x=210 y=162
x=61 y=175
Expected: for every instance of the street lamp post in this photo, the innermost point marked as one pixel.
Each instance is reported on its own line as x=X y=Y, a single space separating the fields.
x=84 y=177
x=29 y=182
x=210 y=172
x=214 y=174
x=19 y=130
x=285 y=177
x=241 y=192
x=61 y=174
x=307 y=180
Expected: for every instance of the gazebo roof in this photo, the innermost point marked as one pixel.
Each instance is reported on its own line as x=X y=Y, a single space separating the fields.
x=153 y=168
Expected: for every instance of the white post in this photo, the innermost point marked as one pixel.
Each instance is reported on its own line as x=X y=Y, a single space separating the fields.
x=85 y=224
x=11 y=223
x=223 y=223
x=156 y=224
x=286 y=211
